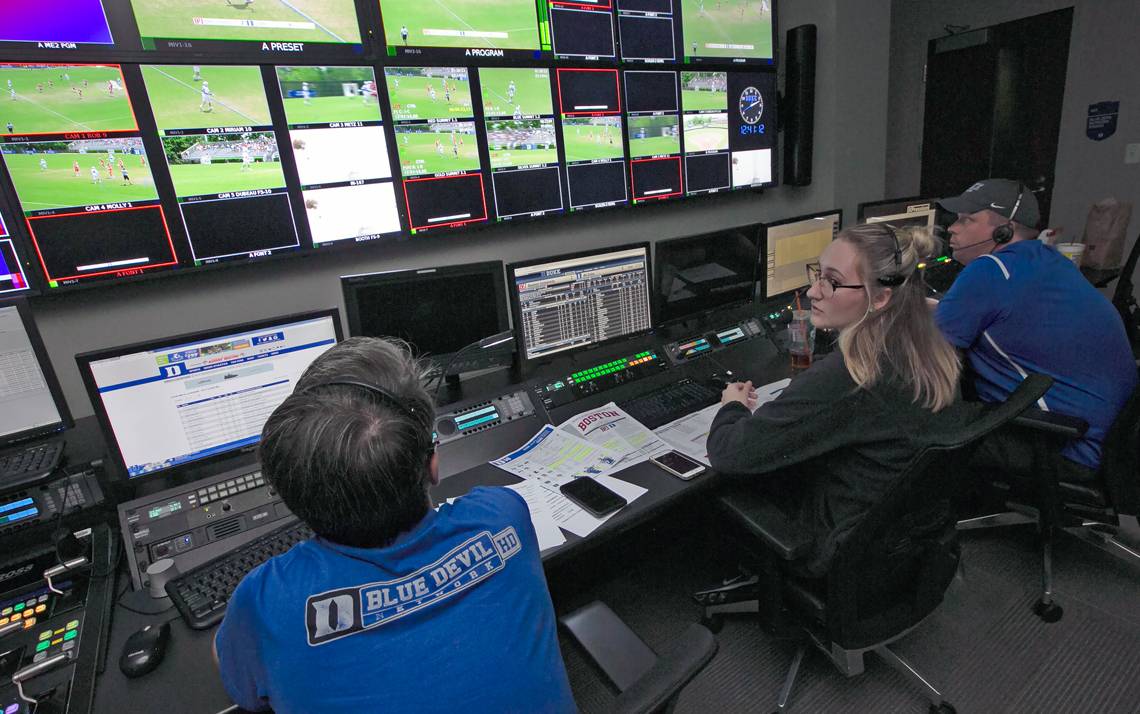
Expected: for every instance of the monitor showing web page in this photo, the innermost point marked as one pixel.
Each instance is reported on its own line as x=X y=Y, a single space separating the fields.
x=179 y=401
x=792 y=245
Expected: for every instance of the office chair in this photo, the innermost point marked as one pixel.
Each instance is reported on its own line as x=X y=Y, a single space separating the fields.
x=889 y=572
x=1102 y=513
x=646 y=682
x=1123 y=299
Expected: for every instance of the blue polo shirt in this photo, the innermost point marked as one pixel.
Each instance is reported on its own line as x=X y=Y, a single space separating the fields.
x=1027 y=309
x=454 y=616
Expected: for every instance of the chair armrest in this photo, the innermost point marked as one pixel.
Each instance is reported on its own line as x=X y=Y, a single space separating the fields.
x=767 y=523
x=621 y=655
x=684 y=659
x=1052 y=423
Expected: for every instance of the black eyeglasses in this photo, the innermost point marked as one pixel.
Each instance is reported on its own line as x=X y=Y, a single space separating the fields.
x=827 y=286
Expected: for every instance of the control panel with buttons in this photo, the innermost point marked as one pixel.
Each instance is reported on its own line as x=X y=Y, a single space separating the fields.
x=480 y=417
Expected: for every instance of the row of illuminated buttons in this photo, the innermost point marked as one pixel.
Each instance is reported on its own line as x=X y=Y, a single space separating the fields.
x=63 y=637
x=229 y=488
x=21 y=605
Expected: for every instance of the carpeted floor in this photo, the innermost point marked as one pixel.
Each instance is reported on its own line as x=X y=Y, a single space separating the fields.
x=984 y=647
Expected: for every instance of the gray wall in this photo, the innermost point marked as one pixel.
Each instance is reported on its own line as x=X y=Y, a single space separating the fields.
x=93 y=319
x=1103 y=56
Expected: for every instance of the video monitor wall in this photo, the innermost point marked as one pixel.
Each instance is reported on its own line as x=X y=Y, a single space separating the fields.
x=336 y=133
x=224 y=161
x=75 y=157
x=734 y=31
x=649 y=30
x=590 y=111
x=203 y=26
x=522 y=143
x=433 y=116
x=652 y=105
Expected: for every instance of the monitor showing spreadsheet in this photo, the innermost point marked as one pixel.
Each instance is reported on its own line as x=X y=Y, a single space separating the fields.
x=791 y=245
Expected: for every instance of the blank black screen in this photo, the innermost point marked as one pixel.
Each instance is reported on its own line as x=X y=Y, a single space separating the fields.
x=704 y=272
x=436 y=314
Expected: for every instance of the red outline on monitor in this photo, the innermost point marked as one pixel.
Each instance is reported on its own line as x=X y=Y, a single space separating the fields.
x=130 y=104
x=23 y=278
x=633 y=183
x=560 y=3
x=43 y=265
x=3 y=228
x=408 y=203
x=617 y=92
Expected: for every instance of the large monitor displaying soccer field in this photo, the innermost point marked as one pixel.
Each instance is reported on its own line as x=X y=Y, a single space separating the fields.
x=456 y=29
x=55 y=24
x=336 y=133
x=73 y=152
x=434 y=121
x=522 y=142
x=265 y=27
x=727 y=30
x=653 y=106
x=224 y=160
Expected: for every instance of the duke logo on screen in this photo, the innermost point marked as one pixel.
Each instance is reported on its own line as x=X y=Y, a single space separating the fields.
x=347 y=611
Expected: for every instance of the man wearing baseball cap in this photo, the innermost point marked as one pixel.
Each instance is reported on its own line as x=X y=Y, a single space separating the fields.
x=1019 y=307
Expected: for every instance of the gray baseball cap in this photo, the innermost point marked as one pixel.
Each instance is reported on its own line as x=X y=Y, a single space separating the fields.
x=1011 y=199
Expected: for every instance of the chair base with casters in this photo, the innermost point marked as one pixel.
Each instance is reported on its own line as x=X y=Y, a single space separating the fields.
x=887 y=572
x=1101 y=513
x=647 y=682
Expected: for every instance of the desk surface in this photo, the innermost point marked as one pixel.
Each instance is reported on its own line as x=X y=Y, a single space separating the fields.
x=187 y=680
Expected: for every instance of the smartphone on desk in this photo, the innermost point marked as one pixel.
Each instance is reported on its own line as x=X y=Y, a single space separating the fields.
x=598 y=500
x=679 y=465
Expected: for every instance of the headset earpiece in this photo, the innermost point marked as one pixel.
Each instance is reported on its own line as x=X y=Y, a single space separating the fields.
x=898 y=278
x=1004 y=233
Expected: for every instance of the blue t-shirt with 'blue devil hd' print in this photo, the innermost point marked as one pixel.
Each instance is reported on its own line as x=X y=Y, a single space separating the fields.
x=453 y=616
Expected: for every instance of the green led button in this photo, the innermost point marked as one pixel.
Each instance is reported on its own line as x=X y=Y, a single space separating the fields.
x=71 y=635
x=43 y=646
x=46 y=634
x=18 y=606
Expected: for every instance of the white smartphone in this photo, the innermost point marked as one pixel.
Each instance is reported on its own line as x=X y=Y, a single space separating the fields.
x=678 y=464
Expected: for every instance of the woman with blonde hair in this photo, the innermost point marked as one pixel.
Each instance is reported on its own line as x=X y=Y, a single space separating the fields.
x=845 y=428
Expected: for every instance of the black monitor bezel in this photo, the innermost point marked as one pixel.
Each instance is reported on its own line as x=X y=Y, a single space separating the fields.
x=24 y=309
x=757 y=231
x=494 y=268
x=527 y=365
x=861 y=212
x=764 y=248
x=84 y=359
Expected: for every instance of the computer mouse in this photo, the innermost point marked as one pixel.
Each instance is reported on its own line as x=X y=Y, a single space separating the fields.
x=144 y=650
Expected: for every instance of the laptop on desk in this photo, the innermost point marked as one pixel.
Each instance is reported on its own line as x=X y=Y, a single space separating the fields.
x=32 y=411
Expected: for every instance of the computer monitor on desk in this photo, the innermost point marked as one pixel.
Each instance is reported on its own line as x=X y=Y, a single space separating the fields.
x=438 y=311
x=790 y=246
x=900 y=212
x=31 y=403
x=698 y=274
x=578 y=301
x=180 y=402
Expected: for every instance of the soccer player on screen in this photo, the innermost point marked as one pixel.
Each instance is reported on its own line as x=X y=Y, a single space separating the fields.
x=197 y=74
x=75 y=169
x=404 y=34
x=126 y=177
x=511 y=92
x=207 y=104
x=43 y=164
x=10 y=127
x=431 y=92
x=246 y=160
x=95 y=175
x=518 y=112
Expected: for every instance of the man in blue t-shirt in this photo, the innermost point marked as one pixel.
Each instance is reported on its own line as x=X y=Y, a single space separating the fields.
x=1020 y=307
x=391 y=606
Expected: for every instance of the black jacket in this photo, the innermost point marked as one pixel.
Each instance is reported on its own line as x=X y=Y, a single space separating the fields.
x=837 y=447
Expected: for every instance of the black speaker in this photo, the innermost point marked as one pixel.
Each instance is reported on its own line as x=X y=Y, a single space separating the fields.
x=798 y=109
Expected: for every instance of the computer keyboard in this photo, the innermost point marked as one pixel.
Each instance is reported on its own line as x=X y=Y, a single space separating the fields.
x=201 y=594
x=30 y=463
x=670 y=402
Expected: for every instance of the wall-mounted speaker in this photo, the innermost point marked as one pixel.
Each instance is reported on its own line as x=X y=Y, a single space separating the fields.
x=799 y=104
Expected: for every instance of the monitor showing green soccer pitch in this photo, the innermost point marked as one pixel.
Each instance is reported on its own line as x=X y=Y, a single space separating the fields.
x=59 y=98
x=727 y=30
x=450 y=29
x=264 y=25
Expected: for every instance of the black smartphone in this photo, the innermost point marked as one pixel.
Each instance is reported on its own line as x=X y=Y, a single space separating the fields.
x=594 y=497
x=678 y=464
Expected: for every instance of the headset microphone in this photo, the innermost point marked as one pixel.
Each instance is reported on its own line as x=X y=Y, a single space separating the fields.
x=971 y=245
